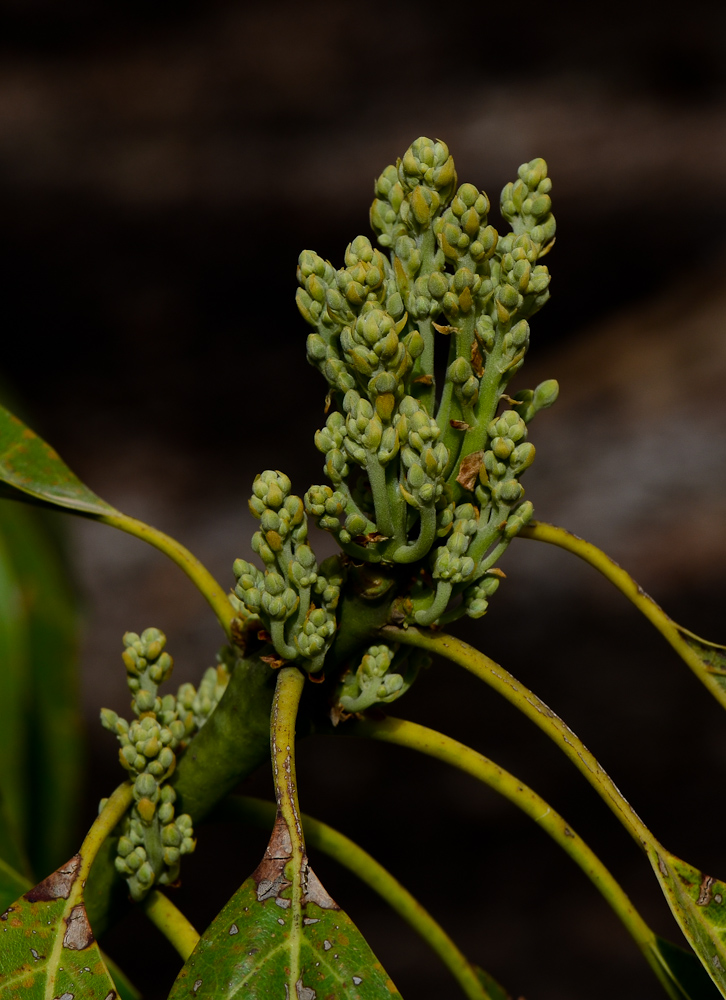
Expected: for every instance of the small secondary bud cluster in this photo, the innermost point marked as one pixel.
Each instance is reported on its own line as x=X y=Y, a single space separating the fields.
x=294 y=599
x=154 y=837
x=382 y=676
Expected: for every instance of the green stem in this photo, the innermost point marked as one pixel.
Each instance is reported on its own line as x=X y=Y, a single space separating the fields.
x=486 y=535
x=428 y=615
x=426 y=534
x=197 y=573
x=347 y=853
x=444 y=748
x=282 y=647
x=379 y=489
x=670 y=630
x=171 y=922
x=490 y=390
x=535 y=709
x=290 y=683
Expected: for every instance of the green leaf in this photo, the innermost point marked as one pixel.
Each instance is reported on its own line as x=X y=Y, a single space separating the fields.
x=261 y=935
x=698 y=902
x=345 y=851
x=688 y=976
x=30 y=470
x=33 y=471
x=47 y=945
x=14 y=701
x=53 y=746
x=13 y=885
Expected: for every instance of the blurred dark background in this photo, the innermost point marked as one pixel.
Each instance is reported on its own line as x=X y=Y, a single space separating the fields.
x=161 y=167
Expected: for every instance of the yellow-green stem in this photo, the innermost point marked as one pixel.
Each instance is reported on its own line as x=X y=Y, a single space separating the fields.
x=194 y=569
x=672 y=632
x=444 y=748
x=171 y=922
x=290 y=683
x=114 y=808
x=536 y=710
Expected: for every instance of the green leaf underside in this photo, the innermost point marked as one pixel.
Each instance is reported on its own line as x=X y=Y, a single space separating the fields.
x=47 y=945
x=711 y=654
x=689 y=978
x=251 y=946
x=15 y=684
x=698 y=902
x=52 y=747
x=32 y=471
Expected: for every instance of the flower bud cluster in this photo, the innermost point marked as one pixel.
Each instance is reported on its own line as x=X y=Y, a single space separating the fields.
x=450 y=561
x=373 y=682
x=462 y=230
x=420 y=474
x=149 y=849
x=476 y=595
x=506 y=458
x=335 y=512
x=423 y=456
x=410 y=195
x=526 y=203
x=294 y=602
x=147 y=855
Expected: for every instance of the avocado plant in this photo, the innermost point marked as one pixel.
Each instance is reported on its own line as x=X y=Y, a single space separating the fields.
x=417 y=338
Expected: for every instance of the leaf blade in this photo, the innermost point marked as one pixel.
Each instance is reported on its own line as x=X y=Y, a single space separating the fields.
x=688 y=977
x=698 y=903
x=33 y=471
x=53 y=737
x=15 y=698
x=250 y=944
x=48 y=946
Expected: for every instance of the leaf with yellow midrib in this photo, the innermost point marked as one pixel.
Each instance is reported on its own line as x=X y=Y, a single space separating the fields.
x=48 y=949
x=258 y=936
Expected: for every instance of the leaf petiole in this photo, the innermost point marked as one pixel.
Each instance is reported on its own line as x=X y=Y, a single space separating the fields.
x=172 y=923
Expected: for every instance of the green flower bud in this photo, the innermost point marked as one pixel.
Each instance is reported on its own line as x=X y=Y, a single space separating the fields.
x=459 y=371
x=429 y=163
x=166 y=813
x=522 y=457
x=508 y=492
x=135 y=859
x=144 y=701
x=145 y=874
x=269 y=489
x=171 y=836
x=545 y=394
x=145 y=787
x=124 y=847
x=109 y=719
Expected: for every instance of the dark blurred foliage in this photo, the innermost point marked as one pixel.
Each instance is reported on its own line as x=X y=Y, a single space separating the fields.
x=161 y=167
